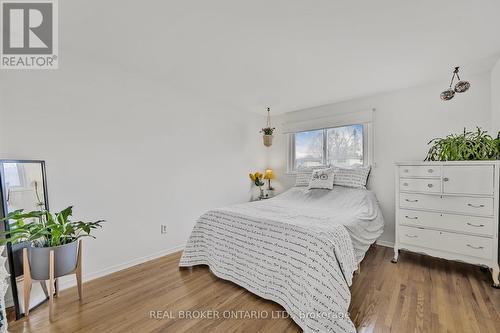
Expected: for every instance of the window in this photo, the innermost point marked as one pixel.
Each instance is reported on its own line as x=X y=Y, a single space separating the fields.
x=14 y=174
x=343 y=146
x=309 y=150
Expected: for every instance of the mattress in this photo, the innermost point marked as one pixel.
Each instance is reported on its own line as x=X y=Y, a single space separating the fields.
x=299 y=249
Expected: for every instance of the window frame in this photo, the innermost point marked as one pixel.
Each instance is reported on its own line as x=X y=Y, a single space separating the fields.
x=367 y=145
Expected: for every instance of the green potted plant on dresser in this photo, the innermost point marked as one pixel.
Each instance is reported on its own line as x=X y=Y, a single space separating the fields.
x=53 y=249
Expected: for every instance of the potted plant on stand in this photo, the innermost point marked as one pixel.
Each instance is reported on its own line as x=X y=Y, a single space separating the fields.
x=53 y=243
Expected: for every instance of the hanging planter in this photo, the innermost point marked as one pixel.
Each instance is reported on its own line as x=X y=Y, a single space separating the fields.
x=460 y=87
x=268 y=140
x=268 y=131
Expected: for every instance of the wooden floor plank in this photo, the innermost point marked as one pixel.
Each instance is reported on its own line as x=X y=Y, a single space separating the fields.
x=418 y=294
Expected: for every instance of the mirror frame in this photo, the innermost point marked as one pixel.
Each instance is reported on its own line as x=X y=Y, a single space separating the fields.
x=3 y=213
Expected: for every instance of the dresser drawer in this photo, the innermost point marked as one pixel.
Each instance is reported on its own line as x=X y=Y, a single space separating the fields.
x=473 y=246
x=460 y=223
x=419 y=171
x=456 y=204
x=470 y=179
x=420 y=185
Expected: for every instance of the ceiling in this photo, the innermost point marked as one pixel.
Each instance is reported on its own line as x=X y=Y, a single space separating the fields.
x=289 y=54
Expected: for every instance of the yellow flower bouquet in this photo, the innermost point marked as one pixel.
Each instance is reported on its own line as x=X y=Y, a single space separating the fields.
x=257 y=180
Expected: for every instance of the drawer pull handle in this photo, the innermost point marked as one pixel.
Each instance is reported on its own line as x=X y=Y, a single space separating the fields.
x=405 y=184
x=475 y=225
x=475 y=206
x=475 y=247
x=411 y=236
x=430 y=185
x=445 y=179
x=411 y=218
x=430 y=170
x=406 y=170
x=408 y=200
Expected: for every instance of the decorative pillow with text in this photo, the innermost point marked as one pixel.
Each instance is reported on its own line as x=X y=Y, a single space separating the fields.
x=356 y=177
x=303 y=177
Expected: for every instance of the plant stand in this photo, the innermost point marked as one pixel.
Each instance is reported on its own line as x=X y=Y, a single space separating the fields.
x=53 y=282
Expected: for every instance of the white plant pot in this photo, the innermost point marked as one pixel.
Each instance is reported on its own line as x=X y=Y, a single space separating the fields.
x=268 y=140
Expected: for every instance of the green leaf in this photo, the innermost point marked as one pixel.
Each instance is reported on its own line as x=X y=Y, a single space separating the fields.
x=46 y=229
x=477 y=145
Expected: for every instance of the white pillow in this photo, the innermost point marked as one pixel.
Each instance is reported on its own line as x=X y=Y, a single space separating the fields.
x=303 y=177
x=351 y=177
x=322 y=178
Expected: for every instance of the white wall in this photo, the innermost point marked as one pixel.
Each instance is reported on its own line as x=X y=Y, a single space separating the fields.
x=404 y=121
x=139 y=153
x=495 y=98
x=132 y=151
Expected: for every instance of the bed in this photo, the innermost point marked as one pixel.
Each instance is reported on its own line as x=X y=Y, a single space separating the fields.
x=299 y=249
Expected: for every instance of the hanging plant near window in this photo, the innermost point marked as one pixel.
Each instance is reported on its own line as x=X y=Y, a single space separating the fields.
x=268 y=131
x=476 y=145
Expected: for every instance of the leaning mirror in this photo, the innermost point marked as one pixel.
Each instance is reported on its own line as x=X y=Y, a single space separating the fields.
x=23 y=186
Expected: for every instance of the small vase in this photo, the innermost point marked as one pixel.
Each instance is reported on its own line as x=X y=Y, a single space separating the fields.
x=268 y=140
x=269 y=194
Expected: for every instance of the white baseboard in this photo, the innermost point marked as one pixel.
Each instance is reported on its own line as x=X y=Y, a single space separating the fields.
x=385 y=243
x=94 y=275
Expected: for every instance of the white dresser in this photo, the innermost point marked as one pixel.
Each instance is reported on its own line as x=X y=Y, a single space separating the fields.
x=449 y=210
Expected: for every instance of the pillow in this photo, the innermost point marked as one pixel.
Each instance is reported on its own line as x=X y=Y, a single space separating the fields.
x=303 y=177
x=322 y=178
x=351 y=177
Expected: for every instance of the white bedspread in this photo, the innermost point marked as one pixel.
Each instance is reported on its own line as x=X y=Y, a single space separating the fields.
x=299 y=249
x=355 y=209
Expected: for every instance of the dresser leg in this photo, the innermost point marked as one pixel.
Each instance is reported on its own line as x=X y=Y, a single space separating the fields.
x=396 y=255
x=494 y=275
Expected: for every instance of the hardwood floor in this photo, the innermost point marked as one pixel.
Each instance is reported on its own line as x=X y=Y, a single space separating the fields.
x=418 y=294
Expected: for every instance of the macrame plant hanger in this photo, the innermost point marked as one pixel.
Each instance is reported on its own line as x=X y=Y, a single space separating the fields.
x=268 y=130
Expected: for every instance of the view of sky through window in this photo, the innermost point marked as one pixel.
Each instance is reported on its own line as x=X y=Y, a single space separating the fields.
x=341 y=146
x=309 y=149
